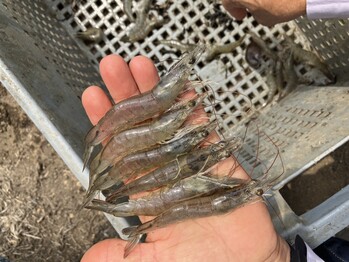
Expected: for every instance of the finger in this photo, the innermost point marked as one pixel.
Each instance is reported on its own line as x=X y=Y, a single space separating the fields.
x=144 y=73
x=118 y=77
x=112 y=250
x=96 y=103
x=235 y=9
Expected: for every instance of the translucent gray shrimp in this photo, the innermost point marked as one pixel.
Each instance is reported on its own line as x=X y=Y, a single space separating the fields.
x=127 y=5
x=143 y=24
x=216 y=204
x=263 y=46
x=136 y=109
x=176 y=44
x=289 y=74
x=159 y=201
x=133 y=164
x=213 y=51
x=254 y=55
x=275 y=81
x=142 y=30
x=309 y=58
x=184 y=166
x=93 y=35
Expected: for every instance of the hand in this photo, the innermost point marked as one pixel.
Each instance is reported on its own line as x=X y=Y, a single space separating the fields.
x=266 y=12
x=247 y=234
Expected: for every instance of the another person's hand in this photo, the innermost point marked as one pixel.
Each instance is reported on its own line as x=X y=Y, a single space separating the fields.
x=266 y=12
x=247 y=234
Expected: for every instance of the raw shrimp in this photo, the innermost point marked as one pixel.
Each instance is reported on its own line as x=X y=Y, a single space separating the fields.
x=159 y=201
x=309 y=58
x=176 y=44
x=216 y=204
x=142 y=30
x=127 y=5
x=215 y=50
x=263 y=46
x=254 y=55
x=143 y=25
x=184 y=166
x=131 y=165
x=212 y=51
x=93 y=35
x=144 y=106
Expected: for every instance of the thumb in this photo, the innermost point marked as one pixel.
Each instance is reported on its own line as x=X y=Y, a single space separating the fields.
x=112 y=250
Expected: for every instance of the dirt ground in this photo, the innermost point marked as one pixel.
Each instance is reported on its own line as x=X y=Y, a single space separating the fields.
x=39 y=195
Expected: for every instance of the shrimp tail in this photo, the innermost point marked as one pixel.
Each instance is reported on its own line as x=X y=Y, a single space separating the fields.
x=132 y=244
x=87 y=154
x=90 y=195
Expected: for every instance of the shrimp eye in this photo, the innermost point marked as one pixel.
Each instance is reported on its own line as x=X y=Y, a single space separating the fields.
x=204 y=133
x=221 y=144
x=191 y=103
x=259 y=192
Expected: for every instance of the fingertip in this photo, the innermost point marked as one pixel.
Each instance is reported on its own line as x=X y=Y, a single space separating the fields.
x=117 y=77
x=96 y=103
x=144 y=72
x=238 y=13
x=110 y=250
x=237 y=10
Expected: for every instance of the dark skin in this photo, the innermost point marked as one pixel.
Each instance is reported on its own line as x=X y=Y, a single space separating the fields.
x=246 y=234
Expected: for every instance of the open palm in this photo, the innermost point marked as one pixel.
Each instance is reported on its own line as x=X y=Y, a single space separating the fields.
x=247 y=234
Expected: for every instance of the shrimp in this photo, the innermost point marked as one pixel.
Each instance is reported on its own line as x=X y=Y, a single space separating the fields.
x=212 y=51
x=289 y=75
x=274 y=80
x=143 y=25
x=93 y=35
x=159 y=201
x=176 y=44
x=184 y=166
x=215 y=50
x=139 y=108
x=216 y=204
x=254 y=55
x=141 y=30
x=127 y=5
x=309 y=58
x=263 y=46
x=133 y=164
